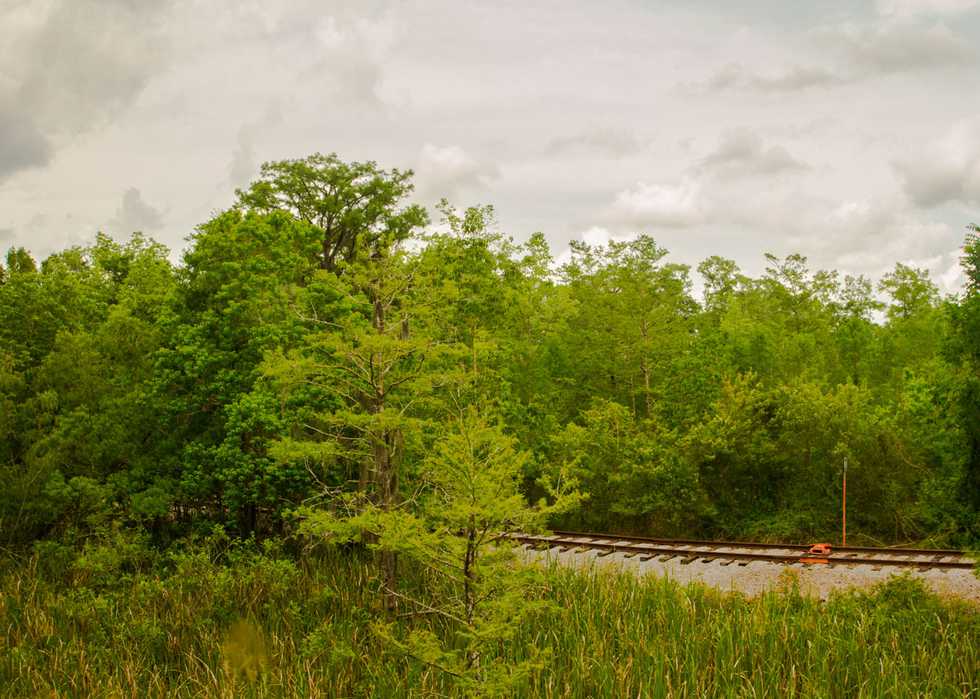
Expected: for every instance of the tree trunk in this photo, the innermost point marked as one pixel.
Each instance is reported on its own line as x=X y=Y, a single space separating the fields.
x=328 y=250
x=645 y=368
x=646 y=389
x=364 y=475
x=473 y=341
x=387 y=490
x=384 y=466
x=469 y=591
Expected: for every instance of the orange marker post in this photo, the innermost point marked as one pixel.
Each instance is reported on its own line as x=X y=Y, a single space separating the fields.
x=844 y=508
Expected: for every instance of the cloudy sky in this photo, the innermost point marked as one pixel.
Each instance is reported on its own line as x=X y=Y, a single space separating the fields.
x=847 y=131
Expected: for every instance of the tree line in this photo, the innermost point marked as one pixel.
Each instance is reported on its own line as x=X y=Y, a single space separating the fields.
x=324 y=358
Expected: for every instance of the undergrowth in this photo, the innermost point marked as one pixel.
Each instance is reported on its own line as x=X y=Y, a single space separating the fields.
x=233 y=620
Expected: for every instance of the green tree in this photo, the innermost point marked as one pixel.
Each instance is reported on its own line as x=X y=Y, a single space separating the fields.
x=374 y=375
x=963 y=351
x=856 y=335
x=19 y=261
x=722 y=279
x=467 y=501
x=910 y=290
x=35 y=305
x=821 y=427
x=971 y=259
x=915 y=325
x=80 y=426
x=734 y=451
x=352 y=205
x=237 y=300
x=634 y=472
x=632 y=317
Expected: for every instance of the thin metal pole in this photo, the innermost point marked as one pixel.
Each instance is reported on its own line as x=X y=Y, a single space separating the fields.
x=844 y=507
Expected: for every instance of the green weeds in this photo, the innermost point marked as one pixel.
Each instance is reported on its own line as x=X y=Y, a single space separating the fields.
x=248 y=621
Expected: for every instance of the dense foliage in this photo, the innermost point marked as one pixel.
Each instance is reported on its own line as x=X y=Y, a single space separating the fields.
x=325 y=365
x=319 y=336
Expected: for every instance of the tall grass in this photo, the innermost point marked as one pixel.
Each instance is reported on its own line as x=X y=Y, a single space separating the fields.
x=619 y=637
x=259 y=623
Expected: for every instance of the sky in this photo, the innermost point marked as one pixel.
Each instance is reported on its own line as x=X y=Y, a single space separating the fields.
x=845 y=131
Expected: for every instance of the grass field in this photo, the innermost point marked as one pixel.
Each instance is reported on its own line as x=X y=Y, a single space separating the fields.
x=255 y=622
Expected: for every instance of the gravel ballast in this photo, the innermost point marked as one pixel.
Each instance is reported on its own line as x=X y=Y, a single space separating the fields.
x=755 y=577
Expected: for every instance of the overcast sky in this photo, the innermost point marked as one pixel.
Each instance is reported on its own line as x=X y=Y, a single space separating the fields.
x=847 y=131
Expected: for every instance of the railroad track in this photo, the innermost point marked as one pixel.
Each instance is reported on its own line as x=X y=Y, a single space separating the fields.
x=742 y=553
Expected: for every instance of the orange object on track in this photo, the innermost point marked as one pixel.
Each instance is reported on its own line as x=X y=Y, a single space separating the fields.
x=816 y=550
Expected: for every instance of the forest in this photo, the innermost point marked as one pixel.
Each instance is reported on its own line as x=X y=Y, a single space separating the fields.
x=314 y=428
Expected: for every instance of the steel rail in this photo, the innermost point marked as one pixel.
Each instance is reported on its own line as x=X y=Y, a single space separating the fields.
x=689 y=554
x=759 y=545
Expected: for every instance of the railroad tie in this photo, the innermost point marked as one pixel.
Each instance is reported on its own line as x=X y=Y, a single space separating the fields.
x=688 y=552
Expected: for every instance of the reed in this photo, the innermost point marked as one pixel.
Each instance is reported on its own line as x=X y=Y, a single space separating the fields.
x=258 y=623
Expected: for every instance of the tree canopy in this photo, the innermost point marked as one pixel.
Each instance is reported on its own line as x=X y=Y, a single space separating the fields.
x=318 y=338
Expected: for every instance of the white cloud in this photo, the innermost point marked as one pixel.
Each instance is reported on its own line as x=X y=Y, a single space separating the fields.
x=563 y=116
x=952 y=279
x=659 y=205
x=135 y=215
x=794 y=79
x=870 y=236
x=946 y=170
x=597 y=235
x=849 y=52
x=742 y=152
x=606 y=140
x=352 y=54
x=899 y=46
x=911 y=8
x=69 y=66
x=22 y=146
x=447 y=171
x=78 y=63
x=243 y=166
